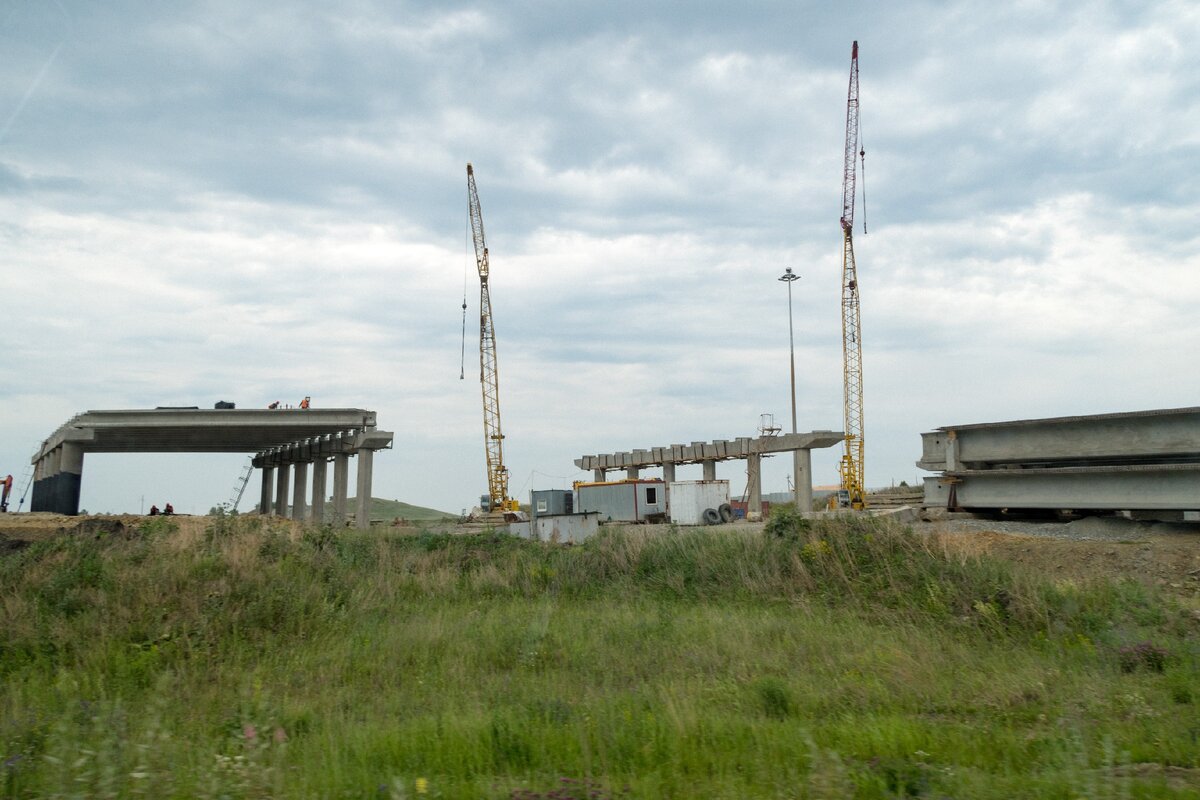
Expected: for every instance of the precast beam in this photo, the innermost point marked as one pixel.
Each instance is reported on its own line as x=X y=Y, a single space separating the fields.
x=1120 y=488
x=202 y=430
x=1163 y=436
x=702 y=452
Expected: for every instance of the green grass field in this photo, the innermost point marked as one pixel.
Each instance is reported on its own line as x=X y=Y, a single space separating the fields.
x=842 y=659
x=389 y=510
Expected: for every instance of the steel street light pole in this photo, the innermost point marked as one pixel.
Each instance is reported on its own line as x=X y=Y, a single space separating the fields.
x=789 y=278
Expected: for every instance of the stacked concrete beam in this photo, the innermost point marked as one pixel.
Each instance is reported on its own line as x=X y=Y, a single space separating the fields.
x=1134 y=461
x=707 y=454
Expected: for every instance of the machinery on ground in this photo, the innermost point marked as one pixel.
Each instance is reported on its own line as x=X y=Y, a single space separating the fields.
x=489 y=376
x=852 y=493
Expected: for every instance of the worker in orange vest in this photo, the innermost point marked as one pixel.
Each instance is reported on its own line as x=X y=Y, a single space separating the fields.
x=7 y=484
x=305 y=401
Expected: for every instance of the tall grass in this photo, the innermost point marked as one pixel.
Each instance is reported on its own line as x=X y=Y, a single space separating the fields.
x=814 y=659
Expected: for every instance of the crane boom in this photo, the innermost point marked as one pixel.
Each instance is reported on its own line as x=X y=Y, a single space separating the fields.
x=853 y=486
x=489 y=374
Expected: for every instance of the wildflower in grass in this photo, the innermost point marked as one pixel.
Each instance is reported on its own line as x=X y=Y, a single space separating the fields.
x=249 y=732
x=422 y=786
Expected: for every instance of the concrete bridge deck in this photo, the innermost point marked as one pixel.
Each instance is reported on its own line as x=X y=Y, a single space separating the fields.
x=281 y=438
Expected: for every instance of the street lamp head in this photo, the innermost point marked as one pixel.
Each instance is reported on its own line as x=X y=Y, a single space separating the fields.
x=788 y=276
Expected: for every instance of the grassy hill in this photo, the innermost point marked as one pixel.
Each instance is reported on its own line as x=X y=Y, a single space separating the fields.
x=388 y=510
x=825 y=660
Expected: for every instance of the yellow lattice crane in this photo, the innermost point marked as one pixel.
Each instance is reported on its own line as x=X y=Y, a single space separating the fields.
x=489 y=373
x=853 y=491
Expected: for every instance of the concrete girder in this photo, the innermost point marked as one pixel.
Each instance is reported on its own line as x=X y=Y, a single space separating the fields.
x=719 y=450
x=1161 y=435
x=201 y=430
x=1116 y=488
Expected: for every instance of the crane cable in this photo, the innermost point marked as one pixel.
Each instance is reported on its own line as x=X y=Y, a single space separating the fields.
x=462 y=364
x=862 y=160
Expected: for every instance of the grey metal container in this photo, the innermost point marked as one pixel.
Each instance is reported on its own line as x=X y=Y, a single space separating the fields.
x=545 y=502
x=623 y=501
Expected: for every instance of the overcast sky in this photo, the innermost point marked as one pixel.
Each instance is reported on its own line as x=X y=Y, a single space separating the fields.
x=257 y=202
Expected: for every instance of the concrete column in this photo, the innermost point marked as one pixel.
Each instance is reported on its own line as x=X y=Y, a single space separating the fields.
x=70 y=476
x=341 y=482
x=40 y=488
x=753 y=487
x=631 y=473
x=710 y=470
x=362 y=514
x=300 y=491
x=320 y=470
x=599 y=475
x=281 y=489
x=802 y=478
x=951 y=451
x=669 y=471
x=264 y=501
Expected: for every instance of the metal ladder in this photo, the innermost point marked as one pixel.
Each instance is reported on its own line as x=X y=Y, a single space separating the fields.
x=239 y=487
x=26 y=482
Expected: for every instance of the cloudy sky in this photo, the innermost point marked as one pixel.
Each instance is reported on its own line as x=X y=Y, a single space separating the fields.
x=257 y=202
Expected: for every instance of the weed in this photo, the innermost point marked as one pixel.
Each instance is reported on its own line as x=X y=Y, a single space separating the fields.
x=1143 y=655
x=828 y=659
x=774 y=698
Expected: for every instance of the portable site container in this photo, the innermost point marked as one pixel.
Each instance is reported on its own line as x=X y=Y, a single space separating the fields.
x=688 y=500
x=623 y=501
x=551 y=501
x=557 y=528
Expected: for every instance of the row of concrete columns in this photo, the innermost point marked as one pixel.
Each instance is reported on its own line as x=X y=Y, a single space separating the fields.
x=277 y=478
x=801 y=470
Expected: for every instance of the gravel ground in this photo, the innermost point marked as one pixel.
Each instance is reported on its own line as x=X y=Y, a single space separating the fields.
x=1114 y=529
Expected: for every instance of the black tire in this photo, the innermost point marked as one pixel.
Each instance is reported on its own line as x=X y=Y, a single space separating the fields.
x=726 y=512
x=711 y=517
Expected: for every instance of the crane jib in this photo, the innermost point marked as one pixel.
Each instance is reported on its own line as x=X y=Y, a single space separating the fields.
x=489 y=373
x=853 y=493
